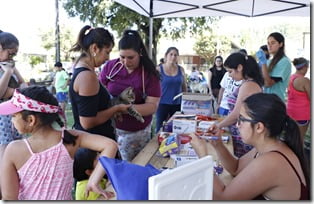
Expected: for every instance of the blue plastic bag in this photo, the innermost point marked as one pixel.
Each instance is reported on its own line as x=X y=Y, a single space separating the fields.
x=130 y=181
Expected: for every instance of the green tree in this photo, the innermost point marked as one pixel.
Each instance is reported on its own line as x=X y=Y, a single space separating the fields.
x=210 y=45
x=119 y=18
x=67 y=40
x=34 y=60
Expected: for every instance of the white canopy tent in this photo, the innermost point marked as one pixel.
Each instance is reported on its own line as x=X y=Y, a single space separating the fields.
x=199 y=8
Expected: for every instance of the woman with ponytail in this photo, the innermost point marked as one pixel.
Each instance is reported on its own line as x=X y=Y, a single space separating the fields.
x=299 y=95
x=40 y=167
x=275 y=169
x=133 y=69
x=240 y=67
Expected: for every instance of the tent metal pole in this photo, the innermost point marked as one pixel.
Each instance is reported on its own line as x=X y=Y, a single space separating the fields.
x=151 y=37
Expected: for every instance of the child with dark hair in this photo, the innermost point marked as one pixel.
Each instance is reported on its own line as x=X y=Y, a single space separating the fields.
x=275 y=169
x=40 y=167
x=134 y=69
x=84 y=165
x=245 y=68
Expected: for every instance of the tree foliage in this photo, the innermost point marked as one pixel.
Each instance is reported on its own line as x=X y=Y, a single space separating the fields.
x=119 y=18
x=34 y=60
x=66 y=41
x=210 y=45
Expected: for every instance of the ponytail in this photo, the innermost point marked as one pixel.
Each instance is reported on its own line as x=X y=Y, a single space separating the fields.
x=271 y=111
x=132 y=40
x=292 y=137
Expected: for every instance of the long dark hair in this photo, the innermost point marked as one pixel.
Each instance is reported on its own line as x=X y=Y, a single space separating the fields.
x=89 y=35
x=271 y=111
x=250 y=66
x=213 y=69
x=281 y=52
x=132 y=40
x=41 y=93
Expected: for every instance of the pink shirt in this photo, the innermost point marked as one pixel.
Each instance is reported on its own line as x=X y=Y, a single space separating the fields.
x=116 y=78
x=298 y=103
x=47 y=175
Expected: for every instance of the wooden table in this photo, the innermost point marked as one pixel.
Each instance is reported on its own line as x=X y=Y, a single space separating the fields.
x=148 y=155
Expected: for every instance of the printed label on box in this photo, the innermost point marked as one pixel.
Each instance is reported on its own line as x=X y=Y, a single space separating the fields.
x=184 y=126
x=205 y=125
x=197 y=104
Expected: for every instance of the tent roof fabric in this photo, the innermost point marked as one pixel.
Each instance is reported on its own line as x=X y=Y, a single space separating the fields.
x=193 y=8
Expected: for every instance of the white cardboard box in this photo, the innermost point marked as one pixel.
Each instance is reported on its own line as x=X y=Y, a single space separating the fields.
x=205 y=125
x=196 y=103
x=184 y=126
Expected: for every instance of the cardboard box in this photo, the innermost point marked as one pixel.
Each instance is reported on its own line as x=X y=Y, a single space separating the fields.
x=205 y=125
x=196 y=103
x=184 y=126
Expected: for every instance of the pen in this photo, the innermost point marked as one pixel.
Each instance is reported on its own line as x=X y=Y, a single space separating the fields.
x=209 y=137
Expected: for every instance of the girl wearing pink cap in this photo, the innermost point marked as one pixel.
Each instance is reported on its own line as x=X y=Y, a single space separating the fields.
x=40 y=167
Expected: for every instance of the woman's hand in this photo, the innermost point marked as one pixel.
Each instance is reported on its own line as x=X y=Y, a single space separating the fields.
x=123 y=108
x=7 y=67
x=97 y=189
x=199 y=145
x=215 y=130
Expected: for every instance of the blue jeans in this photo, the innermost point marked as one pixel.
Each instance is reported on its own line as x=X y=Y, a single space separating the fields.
x=164 y=112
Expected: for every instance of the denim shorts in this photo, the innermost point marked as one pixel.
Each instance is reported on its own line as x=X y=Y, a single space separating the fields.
x=62 y=97
x=303 y=122
x=223 y=111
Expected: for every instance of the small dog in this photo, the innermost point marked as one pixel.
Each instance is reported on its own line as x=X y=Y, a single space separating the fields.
x=198 y=87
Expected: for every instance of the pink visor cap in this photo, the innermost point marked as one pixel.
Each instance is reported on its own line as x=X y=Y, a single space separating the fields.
x=19 y=102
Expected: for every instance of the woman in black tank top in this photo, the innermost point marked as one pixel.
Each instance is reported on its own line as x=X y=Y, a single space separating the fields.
x=275 y=169
x=215 y=75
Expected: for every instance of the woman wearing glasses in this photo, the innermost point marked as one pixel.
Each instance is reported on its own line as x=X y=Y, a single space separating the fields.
x=10 y=78
x=245 y=68
x=275 y=169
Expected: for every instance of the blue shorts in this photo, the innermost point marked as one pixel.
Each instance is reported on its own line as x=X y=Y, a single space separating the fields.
x=62 y=97
x=303 y=122
x=223 y=111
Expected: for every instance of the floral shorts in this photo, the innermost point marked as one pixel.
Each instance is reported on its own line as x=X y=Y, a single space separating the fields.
x=131 y=143
x=7 y=131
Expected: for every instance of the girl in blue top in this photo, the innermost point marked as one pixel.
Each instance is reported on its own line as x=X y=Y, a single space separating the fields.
x=173 y=82
x=277 y=70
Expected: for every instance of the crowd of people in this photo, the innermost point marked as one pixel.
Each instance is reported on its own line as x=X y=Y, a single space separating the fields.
x=265 y=108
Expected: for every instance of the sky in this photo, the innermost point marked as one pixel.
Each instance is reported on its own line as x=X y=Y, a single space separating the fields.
x=25 y=18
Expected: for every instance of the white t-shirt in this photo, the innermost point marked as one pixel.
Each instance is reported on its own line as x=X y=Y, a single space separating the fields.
x=229 y=85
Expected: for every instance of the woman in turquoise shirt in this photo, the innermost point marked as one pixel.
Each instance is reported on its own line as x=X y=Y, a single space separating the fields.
x=277 y=70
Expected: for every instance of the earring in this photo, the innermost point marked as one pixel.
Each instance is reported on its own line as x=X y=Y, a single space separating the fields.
x=94 y=54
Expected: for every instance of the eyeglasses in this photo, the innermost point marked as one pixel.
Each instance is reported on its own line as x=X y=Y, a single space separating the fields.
x=243 y=119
